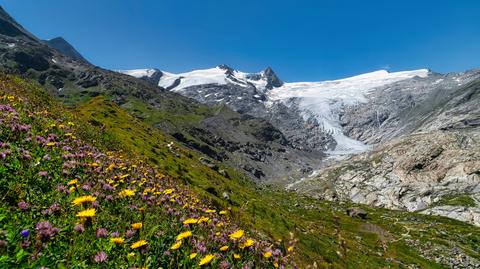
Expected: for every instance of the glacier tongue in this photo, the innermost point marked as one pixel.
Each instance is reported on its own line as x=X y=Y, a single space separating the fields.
x=326 y=100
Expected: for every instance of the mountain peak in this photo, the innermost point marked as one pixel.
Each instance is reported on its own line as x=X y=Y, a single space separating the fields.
x=10 y=27
x=272 y=79
x=61 y=45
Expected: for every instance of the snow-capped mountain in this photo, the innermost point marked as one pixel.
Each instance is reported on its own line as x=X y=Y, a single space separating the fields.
x=312 y=115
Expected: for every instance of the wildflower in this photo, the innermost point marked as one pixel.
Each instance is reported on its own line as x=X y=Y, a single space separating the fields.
x=50 y=144
x=131 y=255
x=102 y=233
x=267 y=254
x=223 y=212
x=236 y=235
x=137 y=226
x=236 y=256
x=84 y=199
x=206 y=260
x=100 y=257
x=139 y=244
x=127 y=193
x=203 y=219
x=290 y=249
x=45 y=230
x=72 y=182
x=42 y=173
x=190 y=221
x=25 y=233
x=224 y=248
x=224 y=265
x=117 y=240
x=210 y=211
x=23 y=205
x=88 y=213
x=79 y=228
x=176 y=245
x=168 y=191
x=183 y=235
x=129 y=233
x=247 y=243
x=193 y=255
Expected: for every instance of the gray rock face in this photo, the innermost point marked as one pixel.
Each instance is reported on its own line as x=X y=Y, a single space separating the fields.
x=65 y=48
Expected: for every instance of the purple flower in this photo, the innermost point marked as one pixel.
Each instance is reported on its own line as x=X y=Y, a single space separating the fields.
x=23 y=205
x=130 y=233
x=25 y=244
x=224 y=265
x=115 y=234
x=102 y=233
x=100 y=257
x=25 y=233
x=79 y=228
x=45 y=230
x=43 y=173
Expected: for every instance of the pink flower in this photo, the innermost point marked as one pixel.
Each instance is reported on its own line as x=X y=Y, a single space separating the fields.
x=100 y=257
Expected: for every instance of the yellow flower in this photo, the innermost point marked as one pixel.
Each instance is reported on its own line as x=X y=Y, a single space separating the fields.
x=117 y=240
x=210 y=211
x=137 y=226
x=168 y=191
x=176 y=245
x=131 y=255
x=267 y=254
x=193 y=255
x=223 y=212
x=84 y=199
x=224 y=248
x=190 y=221
x=50 y=144
x=247 y=243
x=275 y=264
x=203 y=219
x=94 y=164
x=71 y=123
x=183 y=235
x=72 y=182
x=236 y=235
x=139 y=243
x=236 y=256
x=87 y=213
x=290 y=249
x=127 y=193
x=206 y=260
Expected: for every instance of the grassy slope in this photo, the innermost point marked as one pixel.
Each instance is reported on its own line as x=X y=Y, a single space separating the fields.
x=326 y=235
x=318 y=226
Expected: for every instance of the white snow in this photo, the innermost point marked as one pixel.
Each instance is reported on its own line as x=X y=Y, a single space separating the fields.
x=326 y=100
x=197 y=77
x=138 y=73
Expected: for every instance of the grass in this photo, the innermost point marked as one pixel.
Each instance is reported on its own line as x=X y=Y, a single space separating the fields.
x=325 y=234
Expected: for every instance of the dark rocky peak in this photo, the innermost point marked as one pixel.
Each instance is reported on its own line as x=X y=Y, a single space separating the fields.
x=9 y=27
x=272 y=79
x=228 y=69
x=62 y=46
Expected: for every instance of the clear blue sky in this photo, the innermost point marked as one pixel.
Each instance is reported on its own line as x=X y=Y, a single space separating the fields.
x=301 y=40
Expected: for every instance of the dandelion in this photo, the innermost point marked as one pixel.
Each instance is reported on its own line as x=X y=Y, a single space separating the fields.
x=84 y=199
x=87 y=213
x=290 y=249
x=176 y=245
x=168 y=191
x=267 y=254
x=206 y=260
x=224 y=248
x=137 y=226
x=236 y=235
x=139 y=244
x=223 y=212
x=190 y=221
x=117 y=240
x=72 y=182
x=193 y=255
x=236 y=256
x=126 y=193
x=183 y=235
x=248 y=243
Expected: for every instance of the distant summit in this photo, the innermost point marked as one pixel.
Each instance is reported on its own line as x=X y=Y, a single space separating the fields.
x=62 y=46
x=9 y=27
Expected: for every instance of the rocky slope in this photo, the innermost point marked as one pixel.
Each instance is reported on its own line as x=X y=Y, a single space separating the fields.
x=405 y=117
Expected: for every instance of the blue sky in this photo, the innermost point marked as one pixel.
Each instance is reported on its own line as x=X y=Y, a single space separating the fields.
x=300 y=40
